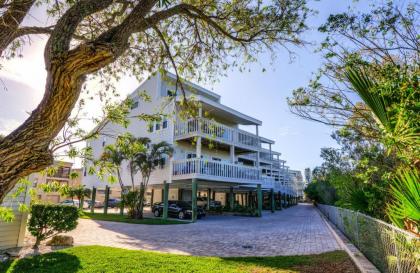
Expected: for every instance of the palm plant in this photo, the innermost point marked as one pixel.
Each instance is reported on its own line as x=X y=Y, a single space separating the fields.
x=398 y=133
x=146 y=162
x=113 y=158
x=401 y=136
x=404 y=210
x=80 y=192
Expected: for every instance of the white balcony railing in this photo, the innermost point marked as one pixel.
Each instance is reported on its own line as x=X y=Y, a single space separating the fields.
x=216 y=131
x=218 y=169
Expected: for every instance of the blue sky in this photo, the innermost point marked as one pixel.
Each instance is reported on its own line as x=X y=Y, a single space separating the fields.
x=256 y=93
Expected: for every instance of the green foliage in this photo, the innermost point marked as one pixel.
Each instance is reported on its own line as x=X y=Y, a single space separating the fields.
x=321 y=192
x=112 y=217
x=405 y=207
x=76 y=191
x=47 y=220
x=132 y=201
x=6 y=214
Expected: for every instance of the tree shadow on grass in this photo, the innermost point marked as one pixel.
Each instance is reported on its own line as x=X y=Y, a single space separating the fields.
x=47 y=263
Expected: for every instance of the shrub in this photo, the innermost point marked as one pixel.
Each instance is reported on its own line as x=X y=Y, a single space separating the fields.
x=132 y=202
x=48 y=220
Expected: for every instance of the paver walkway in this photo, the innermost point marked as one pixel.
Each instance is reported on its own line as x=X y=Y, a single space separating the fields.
x=295 y=231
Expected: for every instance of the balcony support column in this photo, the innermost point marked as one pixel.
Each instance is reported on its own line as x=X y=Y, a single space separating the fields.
x=279 y=195
x=231 y=199
x=208 y=198
x=259 y=200
x=258 y=152
x=273 y=201
x=271 y=160
x=194 y=199
x=198 y=147
x=165 y=200
x=232 y=154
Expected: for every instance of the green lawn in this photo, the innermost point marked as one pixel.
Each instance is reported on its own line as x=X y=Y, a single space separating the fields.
x=123 y=218
x=108 y=259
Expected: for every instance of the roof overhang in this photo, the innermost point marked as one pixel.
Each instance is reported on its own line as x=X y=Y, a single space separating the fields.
x=219 y=110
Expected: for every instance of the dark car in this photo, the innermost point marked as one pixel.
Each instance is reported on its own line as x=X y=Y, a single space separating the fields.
x=215 y=204
x=113 y=202
x=178 y=209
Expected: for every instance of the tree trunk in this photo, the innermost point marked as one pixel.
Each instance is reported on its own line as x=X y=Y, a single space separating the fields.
x=141 y=201
x=26 y=149
x=11 y=19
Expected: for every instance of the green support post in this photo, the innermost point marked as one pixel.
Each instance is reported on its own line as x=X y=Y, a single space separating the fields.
x=259 y=200
x=92 y=206
x=106 y=199
x=165 y=200
x=279 y=196
x=273 y=201
x=194 y=199
x=231 y=200
x=284 y=200
x=208 y=198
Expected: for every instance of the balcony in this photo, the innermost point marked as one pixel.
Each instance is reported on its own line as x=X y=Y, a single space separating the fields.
x=217 y=132
x=214 y=170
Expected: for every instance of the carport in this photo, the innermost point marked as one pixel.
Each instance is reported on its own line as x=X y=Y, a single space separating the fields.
x=250 y=195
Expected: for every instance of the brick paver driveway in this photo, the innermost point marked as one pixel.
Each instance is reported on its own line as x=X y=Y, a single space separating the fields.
x=295 y=231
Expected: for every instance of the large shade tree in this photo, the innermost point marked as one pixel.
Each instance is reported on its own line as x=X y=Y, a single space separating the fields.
x=90 y=37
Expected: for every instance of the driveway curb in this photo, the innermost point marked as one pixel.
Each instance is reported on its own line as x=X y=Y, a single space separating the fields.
x=362 y=263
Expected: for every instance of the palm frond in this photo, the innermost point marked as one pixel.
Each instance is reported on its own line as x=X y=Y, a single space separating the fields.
x=362 y=84
x=405 y=191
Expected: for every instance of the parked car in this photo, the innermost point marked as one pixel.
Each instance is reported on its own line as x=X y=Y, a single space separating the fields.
x=178 y=209
x=74 y=203
x=98 y=204
x=202 y=202
x=113 y=202
x=215 y=204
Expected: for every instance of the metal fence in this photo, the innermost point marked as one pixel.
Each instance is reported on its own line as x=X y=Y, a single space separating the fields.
x=390 y=249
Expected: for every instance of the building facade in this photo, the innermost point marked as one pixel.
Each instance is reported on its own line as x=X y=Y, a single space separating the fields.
x=212 y=149
x=61 y=175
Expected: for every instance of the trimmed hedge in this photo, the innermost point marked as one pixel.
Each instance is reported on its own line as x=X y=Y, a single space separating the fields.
x=48 y=220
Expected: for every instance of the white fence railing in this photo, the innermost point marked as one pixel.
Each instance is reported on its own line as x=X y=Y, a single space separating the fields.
x=214 y=168
x=216 y=131
x=390 y=249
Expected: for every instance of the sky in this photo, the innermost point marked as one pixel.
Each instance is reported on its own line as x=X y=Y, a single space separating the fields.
x=256 y=93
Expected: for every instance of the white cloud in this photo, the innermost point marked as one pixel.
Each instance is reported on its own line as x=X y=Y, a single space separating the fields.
x=8 y=125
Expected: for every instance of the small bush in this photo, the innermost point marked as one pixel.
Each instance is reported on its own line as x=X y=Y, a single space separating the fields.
x=48 y=220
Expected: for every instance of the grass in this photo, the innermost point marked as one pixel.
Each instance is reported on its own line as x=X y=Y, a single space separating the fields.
x=107 y=259
x=124 y=219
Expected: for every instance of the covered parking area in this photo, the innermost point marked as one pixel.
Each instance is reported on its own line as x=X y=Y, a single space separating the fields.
x=248 y=195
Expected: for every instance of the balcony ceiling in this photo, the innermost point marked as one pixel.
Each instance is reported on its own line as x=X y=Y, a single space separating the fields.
x=223 y=112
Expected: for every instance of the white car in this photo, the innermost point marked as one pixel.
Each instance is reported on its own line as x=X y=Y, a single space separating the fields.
x=74 y=203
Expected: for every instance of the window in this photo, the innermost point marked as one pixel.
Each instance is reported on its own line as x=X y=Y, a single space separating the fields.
x=103 y=142
x=135 y=105
x=171 y=93
x=62 y=172
x=150 y=129
x=165 y=124
x=191 y=156
x=157 y=126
